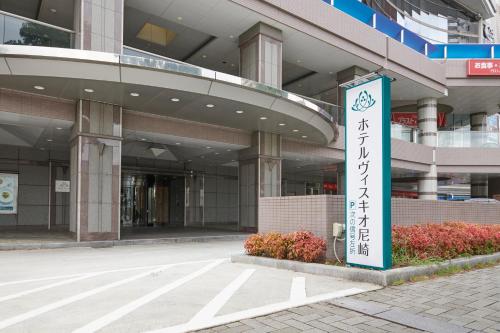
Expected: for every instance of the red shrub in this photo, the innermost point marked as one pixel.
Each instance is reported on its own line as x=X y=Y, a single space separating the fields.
x=300 y=245
x=445 y=241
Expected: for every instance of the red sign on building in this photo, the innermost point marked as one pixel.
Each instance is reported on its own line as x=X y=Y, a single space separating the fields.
x=483 y=67
x=411 y=119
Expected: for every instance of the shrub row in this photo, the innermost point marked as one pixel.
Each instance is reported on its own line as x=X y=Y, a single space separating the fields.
x=444 y=241
x=299 y=245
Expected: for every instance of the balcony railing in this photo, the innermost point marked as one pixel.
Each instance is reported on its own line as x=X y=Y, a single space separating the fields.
x=405 y=133
x=393 y=30
x=327 y=110
x=18 y=30
x=468 y=139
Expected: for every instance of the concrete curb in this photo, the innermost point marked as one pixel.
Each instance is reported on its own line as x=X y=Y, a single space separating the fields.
x=125 y=242
x=383 y=278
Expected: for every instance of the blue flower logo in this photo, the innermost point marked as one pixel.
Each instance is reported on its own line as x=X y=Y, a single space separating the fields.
x=363 y=102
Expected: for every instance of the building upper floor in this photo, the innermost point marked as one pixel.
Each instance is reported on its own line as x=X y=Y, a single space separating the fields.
x=313 y=44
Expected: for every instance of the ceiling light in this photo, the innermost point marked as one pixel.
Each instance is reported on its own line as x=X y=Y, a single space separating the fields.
x=189 y=160
x=178 y=143
x=209 y=147
x=263 y=118
x=299 y=61
x=299 y=85
x=233 y=160
x=203 y=56
x=304 y=136
x=39 y=87
x=281 y=124
x=143 y=139
x=49 y=140
x=174 y=99
x=179 y=18
x=210 y=106
x=216 y=153
x=231 y=36
x=42 y=148
x=295 y=130
x=202 y=156
x=228 y=149
x=53 y=10
x=233 y=65
x=58 y=128
x=239 y=111
x=134 y=94
x=331 y=73
x=89 y=90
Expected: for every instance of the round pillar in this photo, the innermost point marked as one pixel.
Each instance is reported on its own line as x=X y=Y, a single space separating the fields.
x=427 y=123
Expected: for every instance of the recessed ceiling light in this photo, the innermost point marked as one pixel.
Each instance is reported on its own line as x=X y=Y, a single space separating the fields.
x=304 y=136
x=295 y=130
x=228 y=149
x=58 y=128
x=178 y=143
x=208 y=147
x=89 y=90
x=179 y=18
x=39 y=87
x=233 y=65
x=49 y=140
x=299 y=61
x=53 y=10
x=174 y=99
x=233 y=160
x=143 y=139
x=240 y=111
x=203 y=56
x=134 y=94
x=210 y=106
x=189 y=161
x=282 y=124
x=299 y=85
x=263 y=118
x=42 y=148
x=217 y=153
x=231 y=36
x=202 y=156
x=331 y=73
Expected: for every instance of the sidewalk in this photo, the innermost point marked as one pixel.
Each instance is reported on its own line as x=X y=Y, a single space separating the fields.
x=466 y=302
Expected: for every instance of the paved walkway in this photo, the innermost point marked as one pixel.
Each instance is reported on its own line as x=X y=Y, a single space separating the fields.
x=466 y=302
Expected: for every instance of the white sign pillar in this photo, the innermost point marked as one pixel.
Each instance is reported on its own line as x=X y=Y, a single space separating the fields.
x=368 y=174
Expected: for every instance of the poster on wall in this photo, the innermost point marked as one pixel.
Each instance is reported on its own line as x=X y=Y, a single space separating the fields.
x=368 y=174
x=8 y=193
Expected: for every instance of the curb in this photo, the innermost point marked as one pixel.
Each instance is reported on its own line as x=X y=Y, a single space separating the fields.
x=382 y=278
x=112 y=243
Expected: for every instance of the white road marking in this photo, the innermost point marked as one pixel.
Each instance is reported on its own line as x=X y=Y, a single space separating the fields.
x=298 y=289
x=124 y=310
x=212 y=307
x=8 y=283
x=256 y=312
x=52 y=285
x=55 y=305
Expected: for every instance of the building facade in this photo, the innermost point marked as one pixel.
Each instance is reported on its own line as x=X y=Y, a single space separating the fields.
x=119 y=115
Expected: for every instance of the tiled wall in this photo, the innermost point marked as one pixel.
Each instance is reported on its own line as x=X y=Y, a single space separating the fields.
x=317 y=213
x=32 y=167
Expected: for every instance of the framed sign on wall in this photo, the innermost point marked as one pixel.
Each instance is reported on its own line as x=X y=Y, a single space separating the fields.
x=8 y=193
x=368 y=174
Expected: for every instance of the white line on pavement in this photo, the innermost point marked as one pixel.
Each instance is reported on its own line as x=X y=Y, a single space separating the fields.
x=256 y=312
x=8 y=283
x=122 y=311
x=298 y=289
x=55 y=305
x=212 y=307
x=52 y=285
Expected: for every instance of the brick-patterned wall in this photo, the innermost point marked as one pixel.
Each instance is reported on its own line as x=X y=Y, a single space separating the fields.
x=317 y=213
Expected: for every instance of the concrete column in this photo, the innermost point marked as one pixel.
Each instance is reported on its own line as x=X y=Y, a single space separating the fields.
x=344 y=76
x=340 y=179
x=427 y=123
x=261 y=54
x=95 y=169
x=478 y=182
x=259 y=176
x=99 y=25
